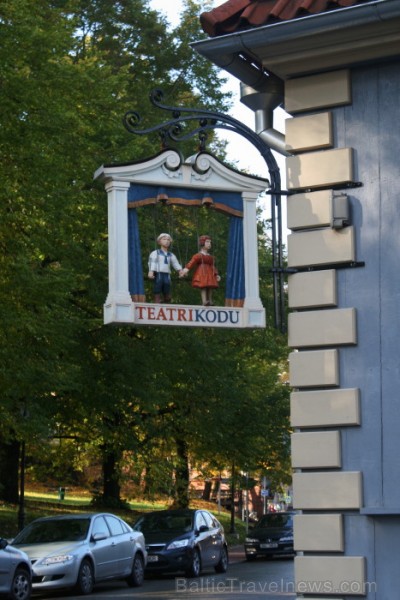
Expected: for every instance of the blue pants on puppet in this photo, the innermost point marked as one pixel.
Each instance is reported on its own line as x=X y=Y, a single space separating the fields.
x=162 y=286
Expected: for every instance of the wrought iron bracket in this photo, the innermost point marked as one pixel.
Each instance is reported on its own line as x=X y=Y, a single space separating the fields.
x=338 y=187
x=345 y=265
x=186 y=123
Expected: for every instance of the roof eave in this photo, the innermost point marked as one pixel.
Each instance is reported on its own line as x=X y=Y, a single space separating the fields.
x=329 y=40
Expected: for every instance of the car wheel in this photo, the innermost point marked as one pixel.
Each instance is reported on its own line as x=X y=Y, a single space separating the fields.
x=136 y=577
x=21 y=585
x=222 y=564
x=251 y=557
x=195 y=567
x=85 y=581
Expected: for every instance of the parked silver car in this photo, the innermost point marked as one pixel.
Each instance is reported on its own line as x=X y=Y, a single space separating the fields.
x=77 y=551
x=15 y=572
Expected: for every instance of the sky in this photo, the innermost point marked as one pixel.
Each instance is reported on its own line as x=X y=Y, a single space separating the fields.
x=239 y=150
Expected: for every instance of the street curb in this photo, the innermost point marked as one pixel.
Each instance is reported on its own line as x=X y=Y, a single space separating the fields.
x=236 y=554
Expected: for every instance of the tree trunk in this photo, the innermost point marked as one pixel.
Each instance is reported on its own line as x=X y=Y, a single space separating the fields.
x=111 y=486
x=207 y=490
x=216 y=491
x=9 y=471
x=233 y=484
x=148 y=482
x=182 y=475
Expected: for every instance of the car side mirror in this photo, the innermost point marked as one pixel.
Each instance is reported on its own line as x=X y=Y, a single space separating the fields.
x=3 y=543
x=97 y=537
x=202 y=529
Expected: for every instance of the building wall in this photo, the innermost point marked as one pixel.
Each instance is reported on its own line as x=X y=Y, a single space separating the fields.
x=370 y=125
x=344 y=362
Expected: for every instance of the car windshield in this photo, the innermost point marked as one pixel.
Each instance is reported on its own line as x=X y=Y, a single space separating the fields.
x=57 y=530
x=165 y=523
x=275 y=520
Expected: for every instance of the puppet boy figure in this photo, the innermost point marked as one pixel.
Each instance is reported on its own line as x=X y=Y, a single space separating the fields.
x=160 y=262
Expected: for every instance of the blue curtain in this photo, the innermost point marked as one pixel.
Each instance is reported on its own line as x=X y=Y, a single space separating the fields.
x=136 y=280
x=140 y=191
x=235 y=284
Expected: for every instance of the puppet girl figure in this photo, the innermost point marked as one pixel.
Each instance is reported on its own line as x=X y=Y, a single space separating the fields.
x=205 y=276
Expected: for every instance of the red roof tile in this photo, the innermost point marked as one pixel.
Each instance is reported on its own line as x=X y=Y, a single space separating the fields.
x=236 y=15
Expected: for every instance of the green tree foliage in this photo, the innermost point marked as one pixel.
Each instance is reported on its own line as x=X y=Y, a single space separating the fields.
x=69 y=70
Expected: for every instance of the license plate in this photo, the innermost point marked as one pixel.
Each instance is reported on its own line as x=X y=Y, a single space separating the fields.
x=270 y=545
x=152 y=558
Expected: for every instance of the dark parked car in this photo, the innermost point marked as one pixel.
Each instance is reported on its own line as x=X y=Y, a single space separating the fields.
x=272 y=536
x=77 y=551
x=15 y=572
x=185 y=540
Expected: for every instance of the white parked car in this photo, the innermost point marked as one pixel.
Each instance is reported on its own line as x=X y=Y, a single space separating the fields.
x=77 y=551
x=15 y=572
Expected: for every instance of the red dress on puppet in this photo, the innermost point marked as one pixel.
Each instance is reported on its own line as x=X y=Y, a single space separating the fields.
x=205 y=275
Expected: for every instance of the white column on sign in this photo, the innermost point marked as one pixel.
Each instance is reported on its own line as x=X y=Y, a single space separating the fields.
x=118 y=274
x=253 y=300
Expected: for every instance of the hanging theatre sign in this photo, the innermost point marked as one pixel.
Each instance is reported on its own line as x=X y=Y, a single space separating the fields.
x=197 y=181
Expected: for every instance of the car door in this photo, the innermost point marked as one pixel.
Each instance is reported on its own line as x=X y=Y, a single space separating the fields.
x=5 y=569
x=123 y=545
x=215 y=535
x=203 y=539
x=103 y=551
